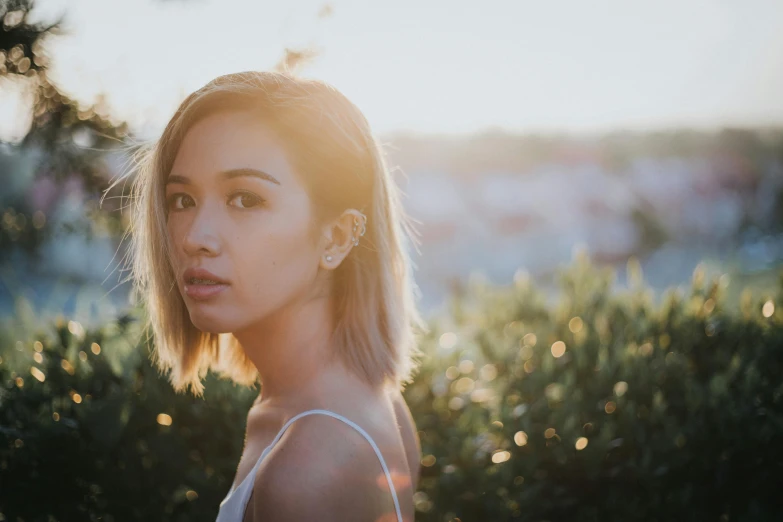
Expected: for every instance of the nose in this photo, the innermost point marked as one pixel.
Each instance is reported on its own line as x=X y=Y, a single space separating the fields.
x=202 y=237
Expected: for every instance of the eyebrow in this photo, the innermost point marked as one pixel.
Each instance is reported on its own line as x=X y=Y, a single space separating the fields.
x=229 y=174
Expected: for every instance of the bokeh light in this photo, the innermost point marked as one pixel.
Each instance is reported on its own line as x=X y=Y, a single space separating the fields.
x=38 y=374
x=575 y=324
x=500 y=456
x=768 y=310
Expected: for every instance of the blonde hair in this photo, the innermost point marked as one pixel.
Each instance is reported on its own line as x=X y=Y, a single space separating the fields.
x=331 y=146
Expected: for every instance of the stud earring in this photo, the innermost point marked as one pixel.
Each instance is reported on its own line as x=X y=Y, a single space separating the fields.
x=328 y=258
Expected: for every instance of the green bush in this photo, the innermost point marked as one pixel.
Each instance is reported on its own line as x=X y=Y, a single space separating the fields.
x=605 y=406
x=679 y=405
x=87 y=444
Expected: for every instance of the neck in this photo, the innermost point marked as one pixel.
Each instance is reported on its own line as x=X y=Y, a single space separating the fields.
x=291 y=352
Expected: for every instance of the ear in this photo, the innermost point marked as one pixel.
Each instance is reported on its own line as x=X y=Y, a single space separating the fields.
x=341 y=236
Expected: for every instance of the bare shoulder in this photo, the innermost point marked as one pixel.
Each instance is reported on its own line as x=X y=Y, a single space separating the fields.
x=324 y=469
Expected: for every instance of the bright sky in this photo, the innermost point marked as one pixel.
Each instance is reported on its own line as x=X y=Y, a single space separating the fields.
x=446 y=66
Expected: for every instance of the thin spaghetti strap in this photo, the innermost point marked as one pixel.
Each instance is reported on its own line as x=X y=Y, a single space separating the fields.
x=271 y=445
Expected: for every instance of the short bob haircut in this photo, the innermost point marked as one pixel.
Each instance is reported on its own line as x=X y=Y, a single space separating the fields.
x=330 y=144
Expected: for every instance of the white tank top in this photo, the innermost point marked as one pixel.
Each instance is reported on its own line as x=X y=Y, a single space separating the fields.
x=232 y=508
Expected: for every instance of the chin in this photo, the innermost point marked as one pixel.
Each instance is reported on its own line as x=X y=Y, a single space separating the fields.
x=210 y=323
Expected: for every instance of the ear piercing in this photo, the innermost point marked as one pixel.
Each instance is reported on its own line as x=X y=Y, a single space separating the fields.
x=357 y=224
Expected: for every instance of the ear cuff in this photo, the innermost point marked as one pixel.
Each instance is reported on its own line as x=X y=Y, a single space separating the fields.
x=359 y=229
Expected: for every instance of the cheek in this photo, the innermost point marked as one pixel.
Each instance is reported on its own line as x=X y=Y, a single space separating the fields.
x=174 y=228
x=275 y=260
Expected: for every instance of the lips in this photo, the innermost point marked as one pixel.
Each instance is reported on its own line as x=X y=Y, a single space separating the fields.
x=201 y=276
x=201 y=284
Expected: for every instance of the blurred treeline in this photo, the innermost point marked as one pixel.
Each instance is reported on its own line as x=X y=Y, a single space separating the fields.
x=66 y=141
x=601 y=407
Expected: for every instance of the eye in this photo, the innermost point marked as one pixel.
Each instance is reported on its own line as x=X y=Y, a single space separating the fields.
x=246 y=199
x=174 y=198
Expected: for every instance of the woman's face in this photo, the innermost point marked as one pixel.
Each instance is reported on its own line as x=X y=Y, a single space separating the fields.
x=237 y=209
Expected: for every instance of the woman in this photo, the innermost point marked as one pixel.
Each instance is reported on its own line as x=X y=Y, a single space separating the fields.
x=268 y=240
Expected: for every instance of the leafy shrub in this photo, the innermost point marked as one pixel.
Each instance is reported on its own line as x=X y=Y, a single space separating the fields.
x=604 y=406
x=104 y=437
